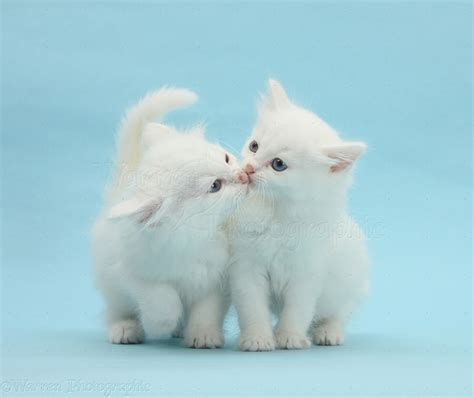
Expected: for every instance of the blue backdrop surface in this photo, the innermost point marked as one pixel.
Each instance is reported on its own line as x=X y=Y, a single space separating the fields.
x=397 y=75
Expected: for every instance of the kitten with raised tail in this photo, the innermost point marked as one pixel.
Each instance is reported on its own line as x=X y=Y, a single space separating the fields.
x=296 y=251
x=160 y=251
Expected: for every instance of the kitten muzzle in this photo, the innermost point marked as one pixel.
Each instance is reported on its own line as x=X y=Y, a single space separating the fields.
x=243 y=177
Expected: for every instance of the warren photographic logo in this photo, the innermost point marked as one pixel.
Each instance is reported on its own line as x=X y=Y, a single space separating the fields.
x=80 y=387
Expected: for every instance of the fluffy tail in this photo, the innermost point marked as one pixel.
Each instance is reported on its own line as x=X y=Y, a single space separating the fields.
x=151 y=107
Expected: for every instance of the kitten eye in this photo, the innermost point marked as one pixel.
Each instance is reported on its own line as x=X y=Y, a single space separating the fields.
x=216 y=186
x=253 y=146
x=278 y=164
x=227 y=158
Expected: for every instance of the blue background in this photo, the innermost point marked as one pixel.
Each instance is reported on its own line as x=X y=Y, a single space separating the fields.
x=396 y=75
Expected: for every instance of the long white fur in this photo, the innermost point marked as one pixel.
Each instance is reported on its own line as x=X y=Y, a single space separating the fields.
x=160 y=253
x=152 y=106
x=296 y=250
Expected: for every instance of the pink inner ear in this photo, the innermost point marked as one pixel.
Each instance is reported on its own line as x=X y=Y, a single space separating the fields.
x=344 y=155
x=339 y=166
x=148 y=212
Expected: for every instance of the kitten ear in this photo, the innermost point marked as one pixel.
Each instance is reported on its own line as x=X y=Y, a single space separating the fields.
x=138 y=207
x=277 y=95
x=154 y=132
x=343 y=155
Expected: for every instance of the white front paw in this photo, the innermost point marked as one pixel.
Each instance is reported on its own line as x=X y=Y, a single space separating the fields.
x=292 y=341
x=127 y=331
x=203 y=338
x=329 y=334
x=257 y=342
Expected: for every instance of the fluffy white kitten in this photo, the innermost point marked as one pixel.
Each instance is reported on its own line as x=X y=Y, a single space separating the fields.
x=160 y=252
x=296 y=249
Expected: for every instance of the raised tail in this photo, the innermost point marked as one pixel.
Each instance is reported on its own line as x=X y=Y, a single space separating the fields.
x=151 y=107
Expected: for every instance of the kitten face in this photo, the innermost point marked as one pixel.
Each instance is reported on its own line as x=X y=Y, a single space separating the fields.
x=183 y=180
x=291 y=150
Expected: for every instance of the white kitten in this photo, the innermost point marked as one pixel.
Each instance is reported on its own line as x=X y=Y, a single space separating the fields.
x=296 y=249
x=160 y=253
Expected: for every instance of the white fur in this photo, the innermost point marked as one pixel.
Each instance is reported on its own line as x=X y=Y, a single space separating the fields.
x=160 y=252
x=296 y=250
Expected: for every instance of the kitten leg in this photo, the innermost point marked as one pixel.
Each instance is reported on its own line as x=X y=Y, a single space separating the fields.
x=344 y=288
x=333 y=310
x=206 y=318
x=329 y=331
x=335 y=307
x=123 y=324
x=250 y=295
x=178 y=333
x=296 y=316
x=160 y=308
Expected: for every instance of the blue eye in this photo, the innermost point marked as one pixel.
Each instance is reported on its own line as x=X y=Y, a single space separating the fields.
x=253 y=146
x=279 y=165
x=216 y=186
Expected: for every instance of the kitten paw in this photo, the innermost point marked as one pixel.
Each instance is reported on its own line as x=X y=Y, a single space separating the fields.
x=328 y=334
x=127 y=331
x=204 y=338
x=256 y=343
x=292 y=341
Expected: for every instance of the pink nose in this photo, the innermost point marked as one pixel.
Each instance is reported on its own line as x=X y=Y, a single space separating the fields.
x=243 y=177
x=249 y=169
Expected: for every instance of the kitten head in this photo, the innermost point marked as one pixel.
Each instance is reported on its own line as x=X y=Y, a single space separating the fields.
x=182 y=180
x=292 y=152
